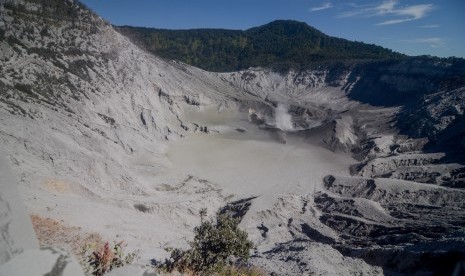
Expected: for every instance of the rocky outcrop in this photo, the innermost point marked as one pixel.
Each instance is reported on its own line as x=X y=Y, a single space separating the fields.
x=385 y=217
x=440 y=117
x=311 y=258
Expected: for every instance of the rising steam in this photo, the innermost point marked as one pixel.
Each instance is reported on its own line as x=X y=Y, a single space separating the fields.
x=283 y=118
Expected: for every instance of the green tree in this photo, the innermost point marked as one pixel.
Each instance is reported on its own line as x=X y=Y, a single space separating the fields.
x=216 y=244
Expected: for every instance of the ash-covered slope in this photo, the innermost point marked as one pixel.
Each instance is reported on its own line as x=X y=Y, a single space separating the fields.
x=84 y=114
x=107 y=137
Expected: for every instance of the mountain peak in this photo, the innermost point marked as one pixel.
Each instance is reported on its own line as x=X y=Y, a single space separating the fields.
x=287 y=27
x=286 y=22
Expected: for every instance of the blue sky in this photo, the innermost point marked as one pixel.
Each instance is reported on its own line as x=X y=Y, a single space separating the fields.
x=414 y=27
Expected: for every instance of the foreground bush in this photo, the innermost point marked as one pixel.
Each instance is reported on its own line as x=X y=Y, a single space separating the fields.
x=217 y=244
x=100 y=259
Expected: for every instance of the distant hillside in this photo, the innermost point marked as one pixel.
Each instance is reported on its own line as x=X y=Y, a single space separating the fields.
x=279 y=44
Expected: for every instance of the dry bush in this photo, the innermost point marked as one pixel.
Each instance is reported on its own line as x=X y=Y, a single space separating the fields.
x=50 y=232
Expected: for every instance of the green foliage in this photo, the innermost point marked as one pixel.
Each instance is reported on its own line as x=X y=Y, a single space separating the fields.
x=230 y=270
x=280 y=45
x=214 y=245
x=100 y=259
x=24 y=88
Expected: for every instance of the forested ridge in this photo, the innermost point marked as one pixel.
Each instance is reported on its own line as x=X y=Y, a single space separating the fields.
x=281 y=44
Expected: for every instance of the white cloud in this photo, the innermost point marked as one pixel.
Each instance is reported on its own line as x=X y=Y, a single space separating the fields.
x=323 y=6
x=433 y=42
x=390 y=8
x=386 y=7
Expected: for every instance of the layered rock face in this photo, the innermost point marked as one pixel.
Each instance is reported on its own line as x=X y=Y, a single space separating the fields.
x=112 y=139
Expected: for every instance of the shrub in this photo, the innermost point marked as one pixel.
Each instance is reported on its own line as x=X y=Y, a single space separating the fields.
x=100 y=259
x=229 y=270
x=25 y=88
x=216 y=245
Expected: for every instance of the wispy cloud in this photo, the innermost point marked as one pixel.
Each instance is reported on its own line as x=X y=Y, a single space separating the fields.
x=431 y=26
x=433 y=42
x=390 y=8
x=323 y=6
x=408 y=13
